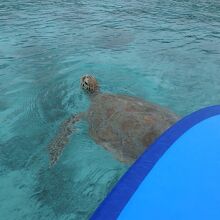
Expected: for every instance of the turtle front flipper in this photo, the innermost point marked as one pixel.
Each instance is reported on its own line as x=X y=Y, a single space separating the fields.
x=58 y=143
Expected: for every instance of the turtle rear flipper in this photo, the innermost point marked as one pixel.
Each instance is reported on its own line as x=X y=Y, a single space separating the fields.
x=58 y=143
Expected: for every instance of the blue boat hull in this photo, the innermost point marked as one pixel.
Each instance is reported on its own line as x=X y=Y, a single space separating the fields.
x=178 y=178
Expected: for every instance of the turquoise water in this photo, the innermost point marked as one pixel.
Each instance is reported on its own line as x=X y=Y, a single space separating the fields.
x=164 y=51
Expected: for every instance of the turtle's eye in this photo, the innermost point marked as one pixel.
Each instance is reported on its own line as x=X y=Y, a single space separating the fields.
x=86 y=83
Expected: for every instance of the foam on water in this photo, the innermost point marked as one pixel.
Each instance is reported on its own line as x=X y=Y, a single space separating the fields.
x=164 y=51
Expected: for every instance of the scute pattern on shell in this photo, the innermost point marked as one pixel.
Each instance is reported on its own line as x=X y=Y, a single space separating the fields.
x=126 y=125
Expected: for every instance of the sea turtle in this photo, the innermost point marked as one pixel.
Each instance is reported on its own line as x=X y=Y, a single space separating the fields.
x=122 y=124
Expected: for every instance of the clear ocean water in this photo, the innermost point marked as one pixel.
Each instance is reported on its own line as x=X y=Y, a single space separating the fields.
x=166 y=51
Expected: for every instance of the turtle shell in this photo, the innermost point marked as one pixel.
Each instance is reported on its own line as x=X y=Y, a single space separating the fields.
x=126 y=125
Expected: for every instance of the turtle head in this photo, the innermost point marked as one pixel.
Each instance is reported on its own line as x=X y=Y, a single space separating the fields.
x=89 y=84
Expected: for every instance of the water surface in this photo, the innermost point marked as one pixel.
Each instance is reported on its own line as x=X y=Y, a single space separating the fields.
x=164 y=51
